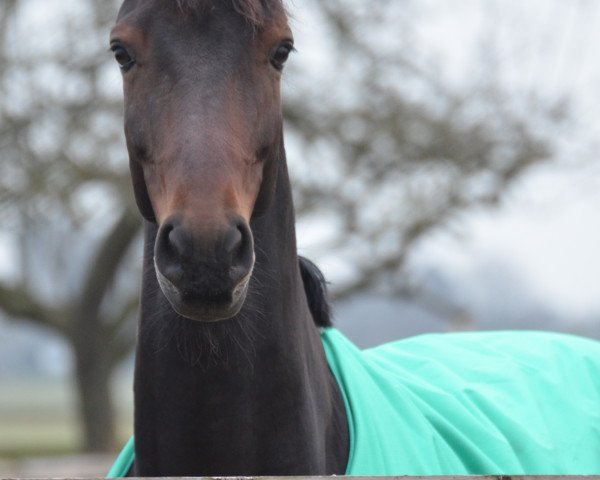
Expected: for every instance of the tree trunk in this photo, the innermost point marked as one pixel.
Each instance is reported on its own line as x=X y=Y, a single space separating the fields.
x=93 y=373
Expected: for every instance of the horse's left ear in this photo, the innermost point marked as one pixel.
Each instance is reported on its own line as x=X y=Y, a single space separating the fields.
x=142 y=199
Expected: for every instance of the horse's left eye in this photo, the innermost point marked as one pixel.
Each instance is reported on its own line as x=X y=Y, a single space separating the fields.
x=281 y=54
x=122 y=56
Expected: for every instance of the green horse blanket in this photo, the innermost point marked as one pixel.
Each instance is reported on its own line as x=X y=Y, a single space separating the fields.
x=465 y=404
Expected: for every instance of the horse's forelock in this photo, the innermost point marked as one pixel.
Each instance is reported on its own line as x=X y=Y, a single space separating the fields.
x=254 y=11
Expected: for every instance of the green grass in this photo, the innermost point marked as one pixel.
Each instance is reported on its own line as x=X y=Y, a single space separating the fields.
x=39 y=418
x=24 y=438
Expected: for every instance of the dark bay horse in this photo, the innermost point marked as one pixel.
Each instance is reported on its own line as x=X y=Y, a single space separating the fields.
x=231 y=377
x=238 y=372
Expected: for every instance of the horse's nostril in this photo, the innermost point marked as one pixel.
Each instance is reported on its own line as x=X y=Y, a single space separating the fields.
x=173 y=241
x=239 y=247
x=178 y=241
x=233 y=241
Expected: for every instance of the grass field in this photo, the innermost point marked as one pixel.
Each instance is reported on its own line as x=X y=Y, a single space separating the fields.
x=39 y=417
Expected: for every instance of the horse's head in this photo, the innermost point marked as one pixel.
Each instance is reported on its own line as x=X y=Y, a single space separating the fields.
x=203 y=127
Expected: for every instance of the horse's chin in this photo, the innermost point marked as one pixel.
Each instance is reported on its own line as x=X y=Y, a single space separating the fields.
x=202 y=308
x=207 y=313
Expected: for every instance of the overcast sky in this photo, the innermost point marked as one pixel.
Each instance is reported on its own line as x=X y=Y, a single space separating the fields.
x=547 y=232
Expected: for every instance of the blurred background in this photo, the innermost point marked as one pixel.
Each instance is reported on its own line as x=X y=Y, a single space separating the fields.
x=444 y=161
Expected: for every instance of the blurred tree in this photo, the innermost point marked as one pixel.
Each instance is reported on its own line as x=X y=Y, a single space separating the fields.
x=389 y=151
x=391 y=148
x=64 y=192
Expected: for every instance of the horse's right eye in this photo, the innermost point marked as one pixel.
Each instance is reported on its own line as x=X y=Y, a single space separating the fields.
x=122 y=57
x=281 y=54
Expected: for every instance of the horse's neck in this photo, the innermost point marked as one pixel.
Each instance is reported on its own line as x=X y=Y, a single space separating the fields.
x=247 y=396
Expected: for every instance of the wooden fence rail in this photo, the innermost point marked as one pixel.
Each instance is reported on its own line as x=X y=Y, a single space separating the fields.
x=404 y=477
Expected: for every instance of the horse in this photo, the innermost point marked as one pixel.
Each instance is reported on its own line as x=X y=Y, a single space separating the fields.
x=238 y=370
x=224 y=307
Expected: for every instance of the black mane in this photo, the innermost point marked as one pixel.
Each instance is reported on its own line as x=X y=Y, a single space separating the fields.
x=315 y=287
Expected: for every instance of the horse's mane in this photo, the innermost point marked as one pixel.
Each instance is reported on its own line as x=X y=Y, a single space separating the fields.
x=315 y=287
x=254 y=11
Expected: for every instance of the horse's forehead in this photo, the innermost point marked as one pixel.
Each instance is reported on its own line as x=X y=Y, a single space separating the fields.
x=256 y=12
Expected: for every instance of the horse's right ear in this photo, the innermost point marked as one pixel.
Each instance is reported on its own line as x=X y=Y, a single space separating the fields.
x=142 y=199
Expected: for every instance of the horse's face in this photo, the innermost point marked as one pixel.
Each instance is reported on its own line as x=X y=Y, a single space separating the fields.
x=203 y=127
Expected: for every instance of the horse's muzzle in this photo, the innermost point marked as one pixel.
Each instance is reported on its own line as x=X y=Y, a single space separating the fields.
x=204 y=276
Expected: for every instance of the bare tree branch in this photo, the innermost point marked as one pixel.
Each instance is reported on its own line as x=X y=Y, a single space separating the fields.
x=102 y=270
x=17 y=302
